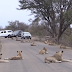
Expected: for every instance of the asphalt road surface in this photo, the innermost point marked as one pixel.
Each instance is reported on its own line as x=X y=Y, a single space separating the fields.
x=32 y=62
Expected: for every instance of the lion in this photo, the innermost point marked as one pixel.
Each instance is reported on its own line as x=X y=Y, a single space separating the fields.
x=22 y=41
x=17 y=38
x=56 y=58
x=12 y=38
x=62 y=46
x=43 y=51
x=18 y=57
x=28 y=40
x=46 y=42
x=51 y=44
x=32 y=44
x=3 y=61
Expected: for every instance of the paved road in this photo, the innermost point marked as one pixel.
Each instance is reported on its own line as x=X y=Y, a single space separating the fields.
x=32 y=62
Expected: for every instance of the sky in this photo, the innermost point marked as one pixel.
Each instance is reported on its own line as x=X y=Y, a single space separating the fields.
x=8 y=12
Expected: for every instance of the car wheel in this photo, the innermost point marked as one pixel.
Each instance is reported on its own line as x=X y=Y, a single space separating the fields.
x=5 y=37
x=30 y=38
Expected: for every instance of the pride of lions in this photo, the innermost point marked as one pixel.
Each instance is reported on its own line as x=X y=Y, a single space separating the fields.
x=56 y=58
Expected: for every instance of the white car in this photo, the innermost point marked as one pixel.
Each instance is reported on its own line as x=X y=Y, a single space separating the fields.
x=26 y=35
x=6 y=33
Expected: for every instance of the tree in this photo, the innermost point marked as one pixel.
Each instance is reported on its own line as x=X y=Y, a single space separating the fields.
x=36 y=28
x=16 y=25
x=56 y=13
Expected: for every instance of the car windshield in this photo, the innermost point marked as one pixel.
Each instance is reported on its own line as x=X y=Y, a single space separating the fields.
x=9 y=31
x=16 y=32
x=26 y=33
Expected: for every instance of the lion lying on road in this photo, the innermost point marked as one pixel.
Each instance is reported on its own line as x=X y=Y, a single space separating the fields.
x=22 y=41
x=43 y=51
x=46 y=42
x=17 y=39
x=12 y=38
x=62 y=47
x=18 y=57
x=53 y=44
x=28 y=40
x=32 y=44
x=56 y=58
x=49 y=42
x=3 y=61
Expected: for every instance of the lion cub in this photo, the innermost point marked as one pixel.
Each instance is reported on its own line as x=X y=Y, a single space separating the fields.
x=18 y=57
x=43 y=51
x=3 y=61
x=56 y=58
x=32 y=44
x=62 y=47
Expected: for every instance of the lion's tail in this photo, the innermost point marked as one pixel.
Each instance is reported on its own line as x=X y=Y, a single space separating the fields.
x=4 y=61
